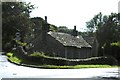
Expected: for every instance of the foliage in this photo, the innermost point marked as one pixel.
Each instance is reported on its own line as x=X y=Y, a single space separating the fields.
x=13 y=58
x=115 y=44
x=64 y=29
x=21 y=43
x=107 y=28
x=15 y=18
x=94 y=23
x=110 y=30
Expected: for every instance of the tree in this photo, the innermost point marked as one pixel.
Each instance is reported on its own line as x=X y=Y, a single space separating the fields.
x=64 y=29
x=15 y=18
x=107 y=28
x=95 y=23
x=109 y=31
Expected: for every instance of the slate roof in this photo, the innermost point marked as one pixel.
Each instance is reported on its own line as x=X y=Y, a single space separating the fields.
x=69 y=40
x=89 y=39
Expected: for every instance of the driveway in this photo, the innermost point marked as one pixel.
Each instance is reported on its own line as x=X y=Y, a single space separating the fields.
x=9 y=70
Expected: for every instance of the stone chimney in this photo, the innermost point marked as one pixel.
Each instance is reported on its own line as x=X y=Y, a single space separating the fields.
x=45 y=26
x=75 y=32
x=75 y=28
x=45 y=29
x=45 y=19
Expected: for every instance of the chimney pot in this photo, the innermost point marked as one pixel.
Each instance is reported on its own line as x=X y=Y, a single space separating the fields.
x=75 y=32
x=46 y=19
x=74 y=27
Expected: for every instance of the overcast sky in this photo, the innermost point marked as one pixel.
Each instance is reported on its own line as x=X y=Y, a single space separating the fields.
x=72 y=12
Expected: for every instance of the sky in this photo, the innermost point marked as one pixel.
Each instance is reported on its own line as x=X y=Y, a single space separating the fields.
x=72 y=12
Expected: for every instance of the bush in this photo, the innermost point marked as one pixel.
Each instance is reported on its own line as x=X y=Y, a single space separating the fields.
x=115 y=44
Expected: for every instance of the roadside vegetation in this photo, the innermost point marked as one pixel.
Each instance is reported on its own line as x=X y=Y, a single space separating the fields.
x=77 y=66
x=14 y=59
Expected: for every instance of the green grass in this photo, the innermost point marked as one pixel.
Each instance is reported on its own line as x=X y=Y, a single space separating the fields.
x=77 y=66
x=9 y=54
x=13 y=59
x=94 y=66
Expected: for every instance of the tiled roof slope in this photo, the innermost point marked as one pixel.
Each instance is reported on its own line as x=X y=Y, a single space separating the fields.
x=69 y=40
x=89 y=39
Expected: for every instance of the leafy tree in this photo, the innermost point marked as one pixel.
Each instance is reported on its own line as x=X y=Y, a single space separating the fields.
x=15 y=18
x=109 y=31
x=107 y=28
x=94 y=23
x=91 y=25
x=64 y=29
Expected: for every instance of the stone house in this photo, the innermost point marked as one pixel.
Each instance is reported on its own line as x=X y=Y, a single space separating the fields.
x=61 y=44
x=93 y=43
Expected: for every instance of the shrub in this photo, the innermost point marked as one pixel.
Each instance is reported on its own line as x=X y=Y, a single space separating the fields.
x=115 y=44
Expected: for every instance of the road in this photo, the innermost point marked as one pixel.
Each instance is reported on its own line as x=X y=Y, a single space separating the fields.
x=9 y=70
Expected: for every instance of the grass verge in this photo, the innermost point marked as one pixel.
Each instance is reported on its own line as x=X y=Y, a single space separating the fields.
x=13 y=58
x=77 y=66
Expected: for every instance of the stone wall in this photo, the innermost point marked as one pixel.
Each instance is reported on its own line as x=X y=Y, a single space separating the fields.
x=94 y=50
x=78 y=53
